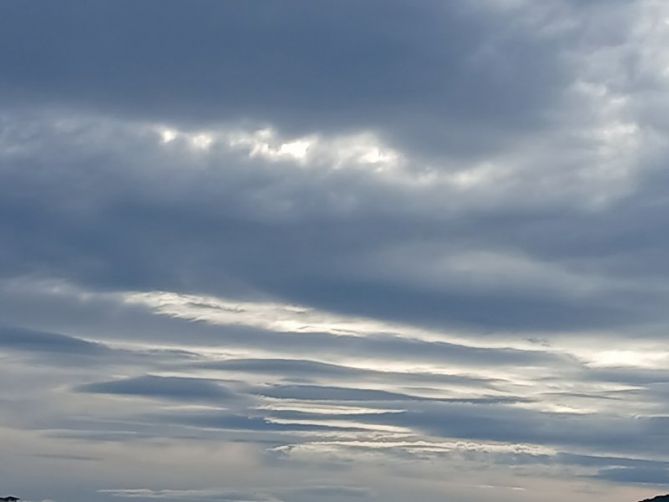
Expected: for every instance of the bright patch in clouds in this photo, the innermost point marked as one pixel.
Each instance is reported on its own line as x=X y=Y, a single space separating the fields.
x=345 y=151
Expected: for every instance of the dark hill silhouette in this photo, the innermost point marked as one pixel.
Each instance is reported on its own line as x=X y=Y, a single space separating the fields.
x=659 y=498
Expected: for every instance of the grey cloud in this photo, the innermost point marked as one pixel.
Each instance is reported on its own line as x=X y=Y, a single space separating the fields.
x=630 y=376
x=487 y=420
x=611 y=462
x=61 y=229
x=507 y=424
x=75 y=458
x=57 y=349
x=501 y=423
x=226 y=421
x=176 y=388
x=641 y=475
x=343 y=394
x=198 y=494
x=335 y=491
x=302 y=369
x=21 y=339
x=428 y=73
x=313 y=392
x=463 y=364
x=122 y=326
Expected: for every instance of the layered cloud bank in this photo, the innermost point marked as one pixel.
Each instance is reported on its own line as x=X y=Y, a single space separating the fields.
x=342 y=250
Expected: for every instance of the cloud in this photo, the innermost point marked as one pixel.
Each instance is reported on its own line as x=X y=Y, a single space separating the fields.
x=322 y=393
x=648 y=475
x=184 y=389
x=220 y=419
x=332 y=251
x=220 y=495
x=315 y=370
x=465 y=68
x=21 y=339
x=335 y=491
x=434 y=289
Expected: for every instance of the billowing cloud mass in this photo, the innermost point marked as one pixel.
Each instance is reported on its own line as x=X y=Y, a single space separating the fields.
x=338 y=250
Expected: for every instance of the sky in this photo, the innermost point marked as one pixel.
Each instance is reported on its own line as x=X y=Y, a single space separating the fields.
x=334 y=251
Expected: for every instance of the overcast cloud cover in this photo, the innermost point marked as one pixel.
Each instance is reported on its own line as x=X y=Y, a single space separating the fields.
x=305 y=251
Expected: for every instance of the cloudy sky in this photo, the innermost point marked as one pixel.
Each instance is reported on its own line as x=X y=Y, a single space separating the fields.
x=330 y=251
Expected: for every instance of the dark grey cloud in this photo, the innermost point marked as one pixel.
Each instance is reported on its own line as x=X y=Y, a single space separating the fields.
x=71 y=214
x=503 y=423
x=306 y=370
x=183 y=389
x=27 y=340
x=394 y=346
x=648 y=475
x=611 y=462
x=115 y=325
x=60 y=350
x=220 y=419
x=630 y=376
x=342 y=394
x=430 y=73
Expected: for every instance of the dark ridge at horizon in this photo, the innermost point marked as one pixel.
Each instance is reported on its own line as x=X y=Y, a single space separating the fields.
x=657 y=498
